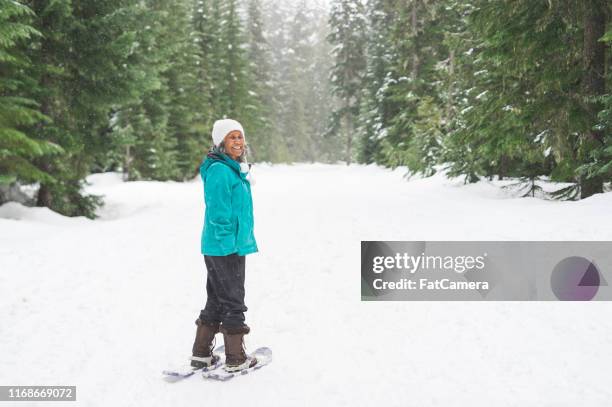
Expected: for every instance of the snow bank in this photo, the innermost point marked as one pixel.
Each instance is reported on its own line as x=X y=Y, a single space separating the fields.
x=17 y=211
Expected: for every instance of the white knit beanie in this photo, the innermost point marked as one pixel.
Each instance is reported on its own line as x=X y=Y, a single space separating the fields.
x=222 y=127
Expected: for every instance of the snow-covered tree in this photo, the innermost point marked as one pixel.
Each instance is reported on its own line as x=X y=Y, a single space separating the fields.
x=348 y=36
x=375 y=107
x=264 y=138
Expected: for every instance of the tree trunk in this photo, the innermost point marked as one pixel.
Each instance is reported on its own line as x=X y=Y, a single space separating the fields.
x=451 y=78
x=503 y=167
x=593 y=82
x=45 y=196
x=127 y=161
x=349 y=133
x=415 y=54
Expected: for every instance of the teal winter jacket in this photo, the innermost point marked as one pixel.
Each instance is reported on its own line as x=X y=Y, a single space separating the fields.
x=228 y=219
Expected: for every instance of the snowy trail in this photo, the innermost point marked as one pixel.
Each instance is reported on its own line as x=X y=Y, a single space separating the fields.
x=105 y=305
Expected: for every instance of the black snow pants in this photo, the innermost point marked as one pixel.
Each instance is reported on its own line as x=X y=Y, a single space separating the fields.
x=225 y=290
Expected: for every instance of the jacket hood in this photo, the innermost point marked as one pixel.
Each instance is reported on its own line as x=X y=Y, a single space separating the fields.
x=213 y=157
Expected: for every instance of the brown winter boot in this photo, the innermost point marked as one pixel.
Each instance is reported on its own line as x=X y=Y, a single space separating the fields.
x=204 y=344
x=235 y=356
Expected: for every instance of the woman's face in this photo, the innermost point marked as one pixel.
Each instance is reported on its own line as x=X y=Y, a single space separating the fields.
x=234 y=144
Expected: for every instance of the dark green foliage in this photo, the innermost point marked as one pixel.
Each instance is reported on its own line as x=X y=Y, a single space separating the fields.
x=17 y=148
x=513 y=118
x=134 y=86
x=506 y=89
x=373 y=121
x=77 y=74
x=153 y=129
x=599 y=160
x=404 y=114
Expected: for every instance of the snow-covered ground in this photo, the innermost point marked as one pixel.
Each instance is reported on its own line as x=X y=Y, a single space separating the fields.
x=107 y=304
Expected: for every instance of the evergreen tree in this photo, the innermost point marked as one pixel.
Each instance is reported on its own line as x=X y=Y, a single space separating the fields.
x=189 y=109
x=524 y=99
x=229 y=75
x=327 y=147
x=264 y=138
x=154 y=152
x=79 y=71
x=162 y=130
x=206 y=32
x=17 y=113
x=525 y=115
x=414 y=129
x=596 y=14
x=277 y=16
x=599 y=163
x=348 y=27
x=232 y=82
x=375 y=108
x=297 y=124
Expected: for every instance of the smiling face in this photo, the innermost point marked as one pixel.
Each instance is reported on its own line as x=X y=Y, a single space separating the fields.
x=234 y=144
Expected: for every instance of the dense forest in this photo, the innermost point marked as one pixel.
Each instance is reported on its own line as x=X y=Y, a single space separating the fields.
x=515 y=89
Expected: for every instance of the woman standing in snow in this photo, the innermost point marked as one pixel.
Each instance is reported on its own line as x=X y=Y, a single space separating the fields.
x=227 y=238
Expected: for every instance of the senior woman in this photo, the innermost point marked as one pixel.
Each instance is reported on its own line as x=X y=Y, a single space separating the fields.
x=227 y=238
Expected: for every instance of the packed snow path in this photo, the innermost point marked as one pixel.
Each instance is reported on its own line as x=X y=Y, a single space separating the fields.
x=106 y=305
